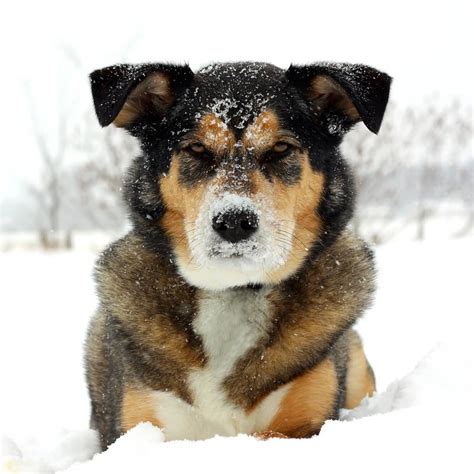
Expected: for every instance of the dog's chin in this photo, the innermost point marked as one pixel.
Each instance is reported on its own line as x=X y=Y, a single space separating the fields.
x=230 y=269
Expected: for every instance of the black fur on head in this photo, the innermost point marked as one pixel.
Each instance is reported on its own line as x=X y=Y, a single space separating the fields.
x=160 y=103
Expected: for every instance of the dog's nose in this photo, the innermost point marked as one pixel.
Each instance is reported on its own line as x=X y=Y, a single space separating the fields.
x=234 y=225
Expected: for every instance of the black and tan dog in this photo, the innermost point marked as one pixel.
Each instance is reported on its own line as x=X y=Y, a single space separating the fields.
x=228 y=308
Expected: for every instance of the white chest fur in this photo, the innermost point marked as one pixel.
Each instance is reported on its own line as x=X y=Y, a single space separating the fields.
x=229 y=323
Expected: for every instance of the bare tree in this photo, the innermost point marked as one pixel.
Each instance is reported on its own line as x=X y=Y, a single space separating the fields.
x=462 y=184
x=105 y=155
x=99 y=175
x=420 y=166
x=48 y=193
x=375 y=161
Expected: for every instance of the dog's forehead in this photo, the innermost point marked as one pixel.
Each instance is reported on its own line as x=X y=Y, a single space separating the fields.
x=236 y=93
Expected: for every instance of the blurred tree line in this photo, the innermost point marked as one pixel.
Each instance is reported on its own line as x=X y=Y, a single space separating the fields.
x=420 y=168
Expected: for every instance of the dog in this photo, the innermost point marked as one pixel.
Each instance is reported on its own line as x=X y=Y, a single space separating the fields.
x=229 y=306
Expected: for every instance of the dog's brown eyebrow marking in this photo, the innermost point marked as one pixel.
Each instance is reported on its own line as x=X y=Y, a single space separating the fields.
x=213 y=133
x=265 y=131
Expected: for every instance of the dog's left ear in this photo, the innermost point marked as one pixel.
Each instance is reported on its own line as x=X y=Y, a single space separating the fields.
x=125 y=93
x=343 y=94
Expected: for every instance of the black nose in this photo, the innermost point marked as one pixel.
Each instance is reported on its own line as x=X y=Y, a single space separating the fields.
x=235 y=226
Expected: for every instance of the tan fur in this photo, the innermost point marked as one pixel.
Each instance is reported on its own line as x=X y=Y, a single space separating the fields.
x=294 y=204
x=137 y=407
x=182 y=206
x=214 y=134
x=300 y=201
x=154 y=91
x=263 y=133
x=360 y=380
x=309 y=402
x=323 y=87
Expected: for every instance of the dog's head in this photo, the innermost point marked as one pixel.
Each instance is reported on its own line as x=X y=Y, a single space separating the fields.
x=240 y=175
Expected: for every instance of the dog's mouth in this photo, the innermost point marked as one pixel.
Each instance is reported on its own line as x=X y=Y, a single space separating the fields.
x=229 y=250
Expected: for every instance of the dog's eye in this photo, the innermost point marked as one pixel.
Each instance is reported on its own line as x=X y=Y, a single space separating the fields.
x=281 y=147
x=279 y=150
x=197 y=148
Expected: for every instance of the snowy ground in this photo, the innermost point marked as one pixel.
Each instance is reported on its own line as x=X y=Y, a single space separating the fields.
x=418 y=337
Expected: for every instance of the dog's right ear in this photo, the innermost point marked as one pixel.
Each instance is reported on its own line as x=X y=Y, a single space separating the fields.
x=125 y=93
x=347 y=92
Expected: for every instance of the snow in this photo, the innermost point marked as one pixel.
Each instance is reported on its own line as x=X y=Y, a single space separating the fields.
x=50 y=452
x=417 y=337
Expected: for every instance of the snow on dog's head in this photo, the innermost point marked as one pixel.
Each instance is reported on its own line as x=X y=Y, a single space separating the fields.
x=240 y=180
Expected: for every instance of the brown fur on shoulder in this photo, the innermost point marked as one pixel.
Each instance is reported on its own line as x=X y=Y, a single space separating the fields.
x=149 y=313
